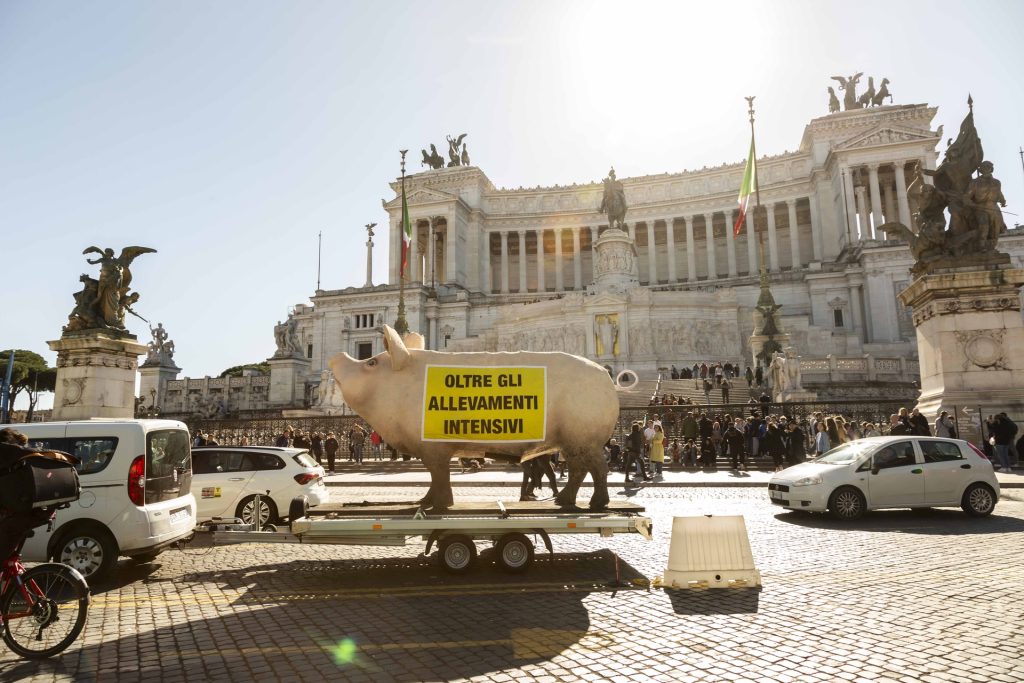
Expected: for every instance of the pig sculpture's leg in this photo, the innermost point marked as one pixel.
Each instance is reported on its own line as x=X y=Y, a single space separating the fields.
x=577 y=473
x=599 y=471
x=439 y=495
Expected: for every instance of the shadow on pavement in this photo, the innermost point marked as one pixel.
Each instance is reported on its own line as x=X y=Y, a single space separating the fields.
x=928 y=521
x=714 y=600
x=369 y=619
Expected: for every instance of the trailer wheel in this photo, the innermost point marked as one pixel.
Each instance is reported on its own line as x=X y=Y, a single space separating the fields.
x=457 y=553
x=515 y=553
x=298 y=508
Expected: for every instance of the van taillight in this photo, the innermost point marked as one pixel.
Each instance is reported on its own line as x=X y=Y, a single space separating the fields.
x=304 y=479
x=137 y=481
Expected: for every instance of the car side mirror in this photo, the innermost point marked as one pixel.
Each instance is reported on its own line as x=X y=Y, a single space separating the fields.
x=875 y=469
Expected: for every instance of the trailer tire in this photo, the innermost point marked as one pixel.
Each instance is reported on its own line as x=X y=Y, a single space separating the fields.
x=456 y=553
x=515 y=553
x=298 y=508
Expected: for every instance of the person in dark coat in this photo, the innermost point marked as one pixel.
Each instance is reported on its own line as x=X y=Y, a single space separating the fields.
x=331 y=445
x=773 y=444
x=795 y=453
x=635 y=453
x=735 y=442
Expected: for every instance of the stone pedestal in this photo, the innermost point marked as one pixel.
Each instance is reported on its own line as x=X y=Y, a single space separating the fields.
x=970 y=338
x=153 y=383
x=615 y=263
x=797 y=396
x=95 y=375
x=288 y=380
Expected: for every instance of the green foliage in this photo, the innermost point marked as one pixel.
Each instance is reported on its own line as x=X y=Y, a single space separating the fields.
x=31 y=374
x=236 y=371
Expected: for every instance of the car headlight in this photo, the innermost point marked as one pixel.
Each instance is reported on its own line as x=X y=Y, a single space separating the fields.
x=808 y=481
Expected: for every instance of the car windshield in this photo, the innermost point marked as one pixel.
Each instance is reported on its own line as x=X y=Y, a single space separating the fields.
x=843 y=454
x=305 y=459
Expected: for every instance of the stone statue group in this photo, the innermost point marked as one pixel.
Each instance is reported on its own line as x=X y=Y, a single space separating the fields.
x=103 y=302
x=973 y=204
x=458 y=154
x=784 y=372
x=286 y=336
x=870 y=97
x=161 y=349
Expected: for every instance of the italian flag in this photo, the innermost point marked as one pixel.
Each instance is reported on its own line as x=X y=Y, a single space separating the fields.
x=747 y=188
x=406 y=233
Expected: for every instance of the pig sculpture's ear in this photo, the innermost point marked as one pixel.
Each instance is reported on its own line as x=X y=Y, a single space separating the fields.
x=413 y=340
x=395 y=348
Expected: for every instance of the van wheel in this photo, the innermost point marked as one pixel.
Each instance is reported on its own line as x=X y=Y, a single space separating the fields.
x=246 y=511
x=91 y=550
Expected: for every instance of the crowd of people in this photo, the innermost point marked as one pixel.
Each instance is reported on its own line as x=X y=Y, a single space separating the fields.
x=689 y=437
x=701 y=439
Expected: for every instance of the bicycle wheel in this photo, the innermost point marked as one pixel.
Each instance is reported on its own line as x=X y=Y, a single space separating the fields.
x=47 y=612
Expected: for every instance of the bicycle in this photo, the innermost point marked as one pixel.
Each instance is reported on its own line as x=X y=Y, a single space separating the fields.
x=42 y=609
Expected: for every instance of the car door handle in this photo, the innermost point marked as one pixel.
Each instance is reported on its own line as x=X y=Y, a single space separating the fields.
x=965 y=467
x=917 y=471
x=237 y=479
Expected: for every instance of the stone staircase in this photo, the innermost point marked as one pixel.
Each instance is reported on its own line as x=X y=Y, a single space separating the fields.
x=640 y=396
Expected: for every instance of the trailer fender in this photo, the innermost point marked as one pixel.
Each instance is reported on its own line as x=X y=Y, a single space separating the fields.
x=547 y=540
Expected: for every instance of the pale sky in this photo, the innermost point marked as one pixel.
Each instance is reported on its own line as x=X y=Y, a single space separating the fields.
x=227 y=134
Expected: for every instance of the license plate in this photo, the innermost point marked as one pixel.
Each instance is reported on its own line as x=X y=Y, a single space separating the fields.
x=180 y=514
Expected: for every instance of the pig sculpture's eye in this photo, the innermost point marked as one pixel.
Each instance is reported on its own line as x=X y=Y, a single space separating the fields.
x=371 y=362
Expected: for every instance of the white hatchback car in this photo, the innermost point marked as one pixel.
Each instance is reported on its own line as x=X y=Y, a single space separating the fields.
x=226 y=479
x=890 y=472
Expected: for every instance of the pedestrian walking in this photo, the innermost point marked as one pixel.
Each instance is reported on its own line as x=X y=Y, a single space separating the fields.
x=331 y=446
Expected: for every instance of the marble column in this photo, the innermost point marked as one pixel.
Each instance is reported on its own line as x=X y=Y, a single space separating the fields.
x=632 y=231
x=488 y=285
x=816 y=248
x=504 y=261
x=773 y=239
x=450 y=242
x=752 y=247
x=652 y=255
x=709 y=235
x=862 y=213
x=902 y=205
x=594 y=230
x=577 y=261
x=730 y=242
x=888 y=205
x=414 y=253
x=522 y=261
x=670 y=246
x=431 y=250
x=876 y=201
x=559 y=280
x=541 y=285
x=851 y=205
x=794 y=236
x=691 y=256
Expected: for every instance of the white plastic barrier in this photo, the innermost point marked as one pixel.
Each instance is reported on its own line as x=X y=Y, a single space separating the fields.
x=710 y=552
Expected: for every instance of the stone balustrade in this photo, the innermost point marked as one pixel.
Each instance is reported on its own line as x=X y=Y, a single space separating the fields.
x=839 y=369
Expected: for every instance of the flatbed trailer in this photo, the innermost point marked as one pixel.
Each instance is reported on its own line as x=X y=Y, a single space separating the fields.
x=505 y=524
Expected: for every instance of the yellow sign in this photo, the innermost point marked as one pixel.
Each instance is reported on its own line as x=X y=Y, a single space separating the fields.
x=490 y=404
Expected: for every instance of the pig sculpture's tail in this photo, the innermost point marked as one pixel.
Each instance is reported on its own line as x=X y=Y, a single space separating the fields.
x=626 y=375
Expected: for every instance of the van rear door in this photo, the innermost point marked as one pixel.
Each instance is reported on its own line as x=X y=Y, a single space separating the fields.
x=168 y=465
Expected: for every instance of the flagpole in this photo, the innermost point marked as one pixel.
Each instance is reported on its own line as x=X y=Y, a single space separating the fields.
x=401 y=325
x=757 y=188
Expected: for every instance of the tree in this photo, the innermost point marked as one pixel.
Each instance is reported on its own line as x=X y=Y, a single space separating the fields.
x=236 y=371
x=31 y=374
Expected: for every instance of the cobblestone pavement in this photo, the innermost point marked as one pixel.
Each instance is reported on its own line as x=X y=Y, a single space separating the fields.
x=900 y=596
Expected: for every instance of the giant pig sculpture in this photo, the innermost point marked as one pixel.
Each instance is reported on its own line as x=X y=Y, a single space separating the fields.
x=514 y=405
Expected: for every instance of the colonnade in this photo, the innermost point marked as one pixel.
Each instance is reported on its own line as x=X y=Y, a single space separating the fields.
x=874 y=194
x=660 y=252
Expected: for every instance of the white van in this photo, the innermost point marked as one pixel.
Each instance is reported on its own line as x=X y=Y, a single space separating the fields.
x=136 y=500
